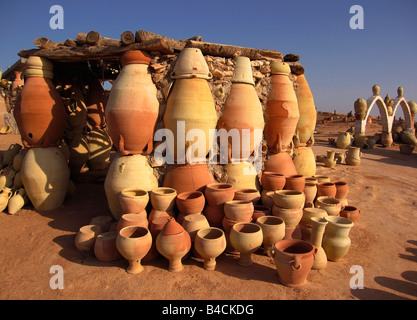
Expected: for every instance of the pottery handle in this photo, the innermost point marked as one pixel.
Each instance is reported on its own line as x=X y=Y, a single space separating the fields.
x=296 y=263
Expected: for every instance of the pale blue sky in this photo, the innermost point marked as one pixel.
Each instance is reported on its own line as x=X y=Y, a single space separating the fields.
x=341 y=64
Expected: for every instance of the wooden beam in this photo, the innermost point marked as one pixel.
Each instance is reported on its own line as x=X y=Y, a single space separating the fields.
x=94 y=39
x=142 y=35
x=127 y=38
x=44 y=43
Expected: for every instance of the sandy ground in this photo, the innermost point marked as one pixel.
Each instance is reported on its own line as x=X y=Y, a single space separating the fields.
x=384 y=244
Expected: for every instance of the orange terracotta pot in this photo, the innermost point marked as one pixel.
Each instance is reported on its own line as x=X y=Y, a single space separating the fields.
x=240 y=210
x=133 y=101
x=260 y=211
x=295 y=182
x=351 y=213
x=214 y=215
x=326 y=189
x=105 y=248
x=191 y=202
x=280 y=163
x=155 y=227
x=272 y=181
x=252 y=195
x=131 y=219
x=342 y=189
x=217 y=194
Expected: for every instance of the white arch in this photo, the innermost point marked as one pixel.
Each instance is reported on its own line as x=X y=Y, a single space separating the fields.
x=360 y=124
x=401 y=101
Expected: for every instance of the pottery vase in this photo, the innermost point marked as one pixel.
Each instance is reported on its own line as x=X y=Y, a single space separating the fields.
x=351 y=213
x=133 y=243
x=242 y=175
x=326 y=189
x=310 y=192
x=304 y=161
x=86 y=237
x=18 y=159
x=342 y=190
x=330 y=204
x=273 y=230
x=39 y=111
x=305 y=222
x=191 y=64
x=336 y=241
x=360 y=107
x=307 y=122
x=386 y=139
x=132 y=101
x=339 y=157
x=9 y=155
x=155 y=227
x=194 y=222
x=99 y=147
x=133 y=200
x=289 y=199
x=18 y=81
x=45 y=177
x=353 y=156
x=291 y=217
x=359 y=139
x=5 y=195
x=295 y=182
x=217 y=194
x=329 y=160
x=190 y=202
x=343 y=140
x=7 y=177
x=105 y=248
x=127 y=172
x=209 y=244
x=316 y=239
x=246 y=238
x=239 y=210
x=131 y=219
x=252 y=195
x=17 y=201
x=272 y=181
x=280 y=163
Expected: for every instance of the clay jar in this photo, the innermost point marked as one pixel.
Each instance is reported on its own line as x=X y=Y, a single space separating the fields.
x=5 y=195
x=252 y=195
x=353 y=156
x=86 y=237
x=133 y=200
x=351 y=213
x=104 y=222
x=342 y=189
x=242 y=175
x=194 y=222
x=16 y=201
x=280 y=163
x=326 y=189
x=209 y=244
x=273 y=230
x=105 y=248
x=163 y=199
x=156 y=225
x=329 y=160
x=131 y=219
x=305 y=222
x=289 y=199
x=39 y=111
x=330 y=204
x=310 y=192
x=316 y=239
x=260 y=211
x=336 y=241
x=272 y=181
x=191 y=64
x=133 y=101
x=173 y=242
x=190 y=202
x=217 y=194
x=246 y=238
x=291 y=217
x=239 y=210
x=304 y=161
x=293 y=260
x=343 y=140
x=133 y=243
x=295 y=182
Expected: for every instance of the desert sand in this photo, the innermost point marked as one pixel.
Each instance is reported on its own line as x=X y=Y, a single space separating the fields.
x=384 y=244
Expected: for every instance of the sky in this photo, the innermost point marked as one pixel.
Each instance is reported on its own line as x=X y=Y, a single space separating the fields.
x=341 y=64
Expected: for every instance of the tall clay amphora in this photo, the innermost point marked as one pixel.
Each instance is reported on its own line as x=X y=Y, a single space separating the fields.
x=308 y=115
x=304 y=161
x=243 y=111
x=127 y=172
x=282 y=112
x=18 y=81
x=190 y=106
x=132 y=108
x=45 y=176
x=39 y=111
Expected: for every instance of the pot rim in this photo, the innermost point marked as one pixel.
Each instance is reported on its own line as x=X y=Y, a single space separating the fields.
x=218 y=186
x=208 y=230
x=290 y=242
x=144 y=193
x=339 y=221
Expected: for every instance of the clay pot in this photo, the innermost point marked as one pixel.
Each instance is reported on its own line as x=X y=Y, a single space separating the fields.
x=329 y=160
x=252 y=195
x=209 y=244
x=133 y=243
x=131 y=219
x=406 y=149
x=295 y=182
x=156 y=225
x=10 y=154
x=191 y=202
x=133 y=200
x=330 y=204
x=246 y=238
x=154 y=214
x=194 y=222
x=291 y=217
x=280 y=163
x=326 y=189
x=268 y=198
x=39 y=111
x=336 y=241
x=243 y=71
x=7 y=177
x=272 y=181
x=289 y=199
x=104 y=222
x=18 y=81
x=260 y=211
x=105 y=248
x=214 y=215
x=293 y=260
x=386 y=139
x=342 y=189
x=353 y=156
x=173 y=242
x=360 y=107
x=99 y=147
x=217 y=194
x=96 y=101
x=189 y=177
x=242 y=175
x=127 y=172
x=133 y=100
x=273 y=230
x=351 y=213
x=313 y=180
x=310 y=192
x=191 y=64
x=359 y=139
x=339 y=157
x=316 y=239
x=240 y=210
x=304 y=161
x=5 y=195
x=227 y=223
x=190 y=105
x=282 y=108
x=16 y=201
x=45 y=176
x=343 y=140
x=86 y=237
x=163 y=198
x=305 y=222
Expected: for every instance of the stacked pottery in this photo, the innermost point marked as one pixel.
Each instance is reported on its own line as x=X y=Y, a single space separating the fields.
x=252 y=195
x=246 y=238
x=210 y=243
x=288 y=205
x=131 y=219
x=261 y=210
x=189 y=203
x=242 y=175
x=310 y=192
x=155 y=227
x=105 y=248
x=336 y=241
x=271 y=181
x=295 y=182
x=326 y=189
x=330 y=204
x=273 y=230
x=134 y=200
x=192 y=223
x=163 y=202
x=217 y=194
x=342 y=190
x=305 y=222
x=173 y=242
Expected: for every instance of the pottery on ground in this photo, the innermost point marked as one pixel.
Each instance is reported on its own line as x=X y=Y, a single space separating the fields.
x=190 y=202
x=17 y=201
x=291 y=217
x=295 y=182
x=272 y=181
x=105 y=248
x=217 y=194
x=289 y=199
x=246 y=238
x=305 y=222
x=155 y=226
x=351 y=213
x=330 y=204
x=5 y=195
x=133 y=200
x=342 y=189
x=131 y=219
x=194 y=222
x=304 y=161
x=239 y=210
x=316 y=239
x=209 y=244
x=336 y=241
x=321 y=178
x=326 y=189
x=86 y=237
x=273 y=230
x=353 y=156
x=104 y=222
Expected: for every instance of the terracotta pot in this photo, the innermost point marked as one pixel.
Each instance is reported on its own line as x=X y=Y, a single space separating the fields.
x=272 y=181
x=313 y=180
x=99 y=147
x=386 y=139
x=191 y=202
x=342 y=189
x=273 y=230
x=343 y=140
x=326 y=189
x=308 y=116
x=268 y=199
x=190 y=104
x=281 y=109
x=154 y=214
x=133 y=243
x=243 y=71
x=280 y=163
x=189 y=177
x=353 y=156
x=133 y=200
x=105 y=248
x=18 y=81
x=240 y=210
x=305 y=223
x=133 y=100
x=214 y=215
x=242 y=175
x=290 y=199
x=173 y=242
x=104 y=222
x=252 y=195
x=295 y=182
x=39 y=111
x=261 y=211
x=339 y=157
x=316 y=239
x=155 y=226
x=16 y=201
x=304 y=161
x=293 y=260
x=227 y=224
x=191 y=64
x=310 y=192
x=217 y=194
x=329 y=160
x=246 y=238
x=194 y=222
x=336 y=241
x=86 y=237
x=7 y=177
x=5 y=195
x=131 y=219
x=163 y=198
x=127 y=172
x=322 y=179
x=96 y=101
x=45 y=176
x=330 y=204
x=291 y=217
x=351 y=213
x=210 y=243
